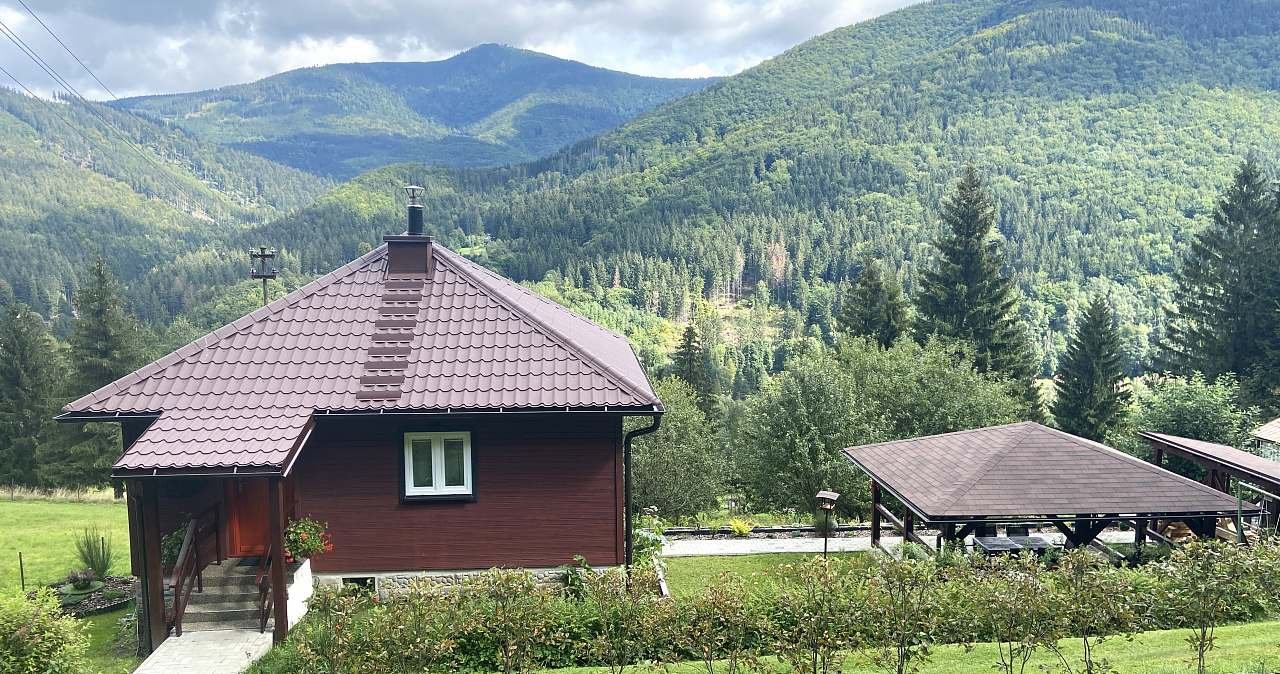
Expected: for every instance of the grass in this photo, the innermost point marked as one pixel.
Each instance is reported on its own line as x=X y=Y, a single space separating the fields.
x=45 y=531
x=1252 y=648
x=688 y=575
x=102 y=658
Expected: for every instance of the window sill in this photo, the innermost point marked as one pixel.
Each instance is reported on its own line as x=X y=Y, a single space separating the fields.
x=435 y=498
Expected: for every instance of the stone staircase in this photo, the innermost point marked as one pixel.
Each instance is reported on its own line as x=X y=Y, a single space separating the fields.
x=229 y=600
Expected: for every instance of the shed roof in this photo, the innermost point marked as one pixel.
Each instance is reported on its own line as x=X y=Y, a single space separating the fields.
x=1237 y=460
x=361 y=339
x=1269 y=432
x=1028 y=470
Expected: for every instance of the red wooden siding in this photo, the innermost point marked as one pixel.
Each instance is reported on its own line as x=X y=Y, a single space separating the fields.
x=547 y=487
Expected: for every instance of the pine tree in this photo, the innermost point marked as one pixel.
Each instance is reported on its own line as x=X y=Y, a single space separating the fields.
x=29 y=375
x=104 y=339
x=967 y=298
x=1091 y=389
x=1227 y=285
x=874 y=307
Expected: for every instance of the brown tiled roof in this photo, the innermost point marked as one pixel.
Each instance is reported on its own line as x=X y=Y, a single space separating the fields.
x=1026 y=469
x=463 y=340
x=1238 y=459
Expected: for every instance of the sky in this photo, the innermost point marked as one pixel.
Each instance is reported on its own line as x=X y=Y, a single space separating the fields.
x=162 y=46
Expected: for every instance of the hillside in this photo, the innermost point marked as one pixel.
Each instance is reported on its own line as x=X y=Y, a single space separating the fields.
x=488 y=106
x=1107 y=129
x=156 y=205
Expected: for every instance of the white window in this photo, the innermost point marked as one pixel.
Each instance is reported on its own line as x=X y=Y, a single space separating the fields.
x=437 y=464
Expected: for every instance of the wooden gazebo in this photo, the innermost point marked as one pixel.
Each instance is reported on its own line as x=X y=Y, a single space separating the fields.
x=1222 y=464
x=1023 y=474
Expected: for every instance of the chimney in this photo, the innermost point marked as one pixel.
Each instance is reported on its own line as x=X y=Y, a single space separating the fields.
x=410 y=253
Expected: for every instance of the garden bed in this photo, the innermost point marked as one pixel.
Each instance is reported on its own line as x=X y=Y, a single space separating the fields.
x=114 y=593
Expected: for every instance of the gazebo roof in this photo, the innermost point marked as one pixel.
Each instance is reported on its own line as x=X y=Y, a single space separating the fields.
x=1026 y=470
x=1236 y=460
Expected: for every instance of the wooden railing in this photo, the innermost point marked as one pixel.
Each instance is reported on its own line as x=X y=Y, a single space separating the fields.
x=263 y=582
x=188 y=571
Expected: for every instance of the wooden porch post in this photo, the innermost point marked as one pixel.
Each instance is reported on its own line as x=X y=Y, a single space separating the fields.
x=875 y=514
x=279 y=593
x=144 y=539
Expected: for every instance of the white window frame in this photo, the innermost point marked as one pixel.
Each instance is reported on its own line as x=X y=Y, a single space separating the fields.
x=437 y=464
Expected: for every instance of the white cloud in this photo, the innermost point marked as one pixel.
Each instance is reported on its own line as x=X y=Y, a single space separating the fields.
x=153 y=46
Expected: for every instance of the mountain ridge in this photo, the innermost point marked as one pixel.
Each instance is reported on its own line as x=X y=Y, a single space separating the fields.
x=489 y=105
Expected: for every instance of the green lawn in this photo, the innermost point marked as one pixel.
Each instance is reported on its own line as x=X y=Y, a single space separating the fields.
x=102 y=659
x=1242 y=649
x=687 y=575
x=45 y=531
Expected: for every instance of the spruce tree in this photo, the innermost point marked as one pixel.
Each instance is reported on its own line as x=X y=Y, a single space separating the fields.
x=104 y=347
x=689 y=362
x=29 y=376
x=1091 y=391
x=874 y=307
x=967 y=298
x=1227 y=286
x=104 y=339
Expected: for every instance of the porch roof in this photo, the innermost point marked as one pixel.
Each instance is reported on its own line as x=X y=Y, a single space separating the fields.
x=362 y=339
x=1026 y=470
x=1211 y=454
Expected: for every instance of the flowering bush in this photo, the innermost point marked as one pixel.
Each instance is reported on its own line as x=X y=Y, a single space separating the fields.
x=305 y=538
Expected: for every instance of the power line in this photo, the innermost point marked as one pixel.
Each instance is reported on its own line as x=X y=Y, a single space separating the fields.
x=68 y=49
x=88 y=105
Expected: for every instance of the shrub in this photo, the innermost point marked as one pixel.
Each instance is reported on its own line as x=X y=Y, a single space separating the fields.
x=724 y=622
x=510 y=615
x=1206 y=584
x=1010 y=604
x=171 y=547
x=94 y=550
x=329 y=640
x=124 y=640
x=305 y=538
x=740 y=527
x=816 y=614
x=624 y=619
x=1092 y=602
x=901 y=611
x=36 y=637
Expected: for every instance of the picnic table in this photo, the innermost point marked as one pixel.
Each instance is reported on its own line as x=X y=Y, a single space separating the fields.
x=992 y=545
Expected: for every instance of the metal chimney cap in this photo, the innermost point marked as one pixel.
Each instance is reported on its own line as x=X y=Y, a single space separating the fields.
x=415 y=193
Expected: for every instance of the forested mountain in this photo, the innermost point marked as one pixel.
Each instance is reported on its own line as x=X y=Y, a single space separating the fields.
x=77 y=181
x=487 y=106
x=1105 y=129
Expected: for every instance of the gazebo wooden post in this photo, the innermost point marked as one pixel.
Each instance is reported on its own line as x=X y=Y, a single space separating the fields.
x=908 y=526
x=875 y=514
x=1139 y=532
x=948 y=534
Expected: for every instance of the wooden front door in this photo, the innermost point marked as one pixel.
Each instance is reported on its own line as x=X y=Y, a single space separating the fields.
x=247 y=516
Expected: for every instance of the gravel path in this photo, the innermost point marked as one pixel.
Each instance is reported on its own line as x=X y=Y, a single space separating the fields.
x=755 y=546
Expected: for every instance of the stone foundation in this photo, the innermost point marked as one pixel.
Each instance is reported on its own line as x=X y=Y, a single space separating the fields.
x=389 y=583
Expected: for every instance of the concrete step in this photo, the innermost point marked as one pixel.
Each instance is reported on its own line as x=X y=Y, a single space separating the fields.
x=226 y=625
x=205 y=613
x=215 y=593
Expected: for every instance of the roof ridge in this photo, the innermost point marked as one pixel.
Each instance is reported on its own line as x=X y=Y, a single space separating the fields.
x=208 y=339
x=1133 y=460
x=469 y=270
x=961 y=489
x=935 y=435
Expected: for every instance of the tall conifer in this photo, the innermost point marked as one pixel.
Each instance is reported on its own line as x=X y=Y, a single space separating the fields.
x=104 y=339
x=875 y=307
x=29 y=377
x=1091 y=389
x=1227 y=286
x=967 y=297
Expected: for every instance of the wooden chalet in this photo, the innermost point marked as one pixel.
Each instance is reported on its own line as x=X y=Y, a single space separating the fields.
x=437 y=416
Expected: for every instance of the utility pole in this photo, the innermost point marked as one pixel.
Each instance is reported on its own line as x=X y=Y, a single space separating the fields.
x=263 y=270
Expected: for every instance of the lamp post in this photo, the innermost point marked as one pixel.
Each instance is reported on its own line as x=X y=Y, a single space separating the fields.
x=827 y=503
